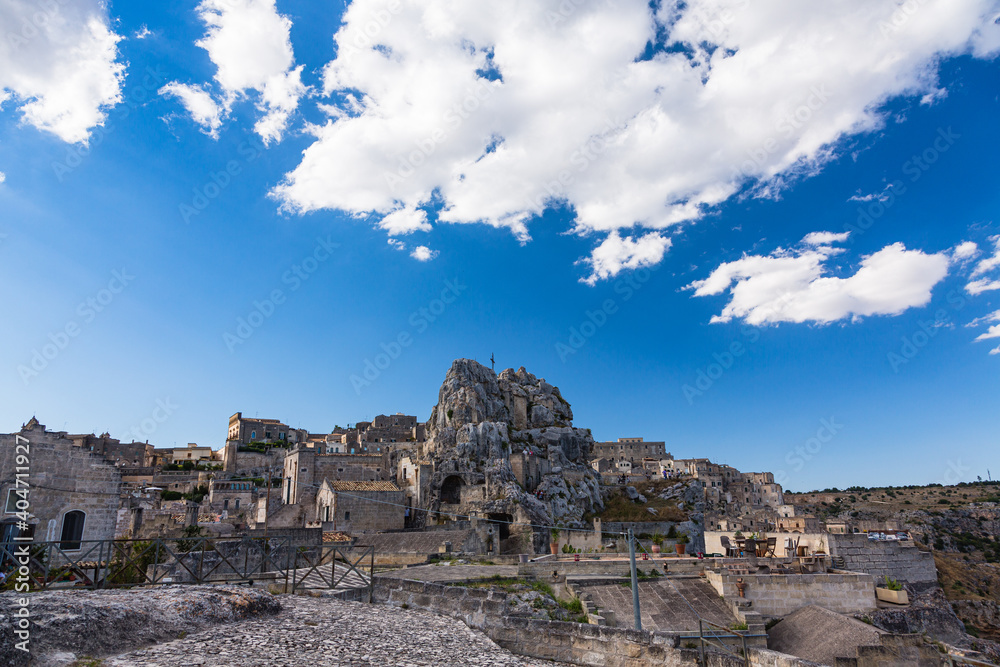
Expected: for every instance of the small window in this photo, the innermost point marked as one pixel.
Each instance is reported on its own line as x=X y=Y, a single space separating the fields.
x=225 y=504
x=72 y=530
x=237 y=503
x=12 y=499
x=347 y=516
x=253 y=435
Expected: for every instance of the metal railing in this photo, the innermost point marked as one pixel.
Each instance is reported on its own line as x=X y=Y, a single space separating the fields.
x=714 y=640
x=99 y=564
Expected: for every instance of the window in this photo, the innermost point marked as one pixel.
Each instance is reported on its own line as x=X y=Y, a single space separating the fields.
x=12 y=499
x=225 y=504
x=347 y=516
x=253 y=435
x=72 y=530
x=237 y=503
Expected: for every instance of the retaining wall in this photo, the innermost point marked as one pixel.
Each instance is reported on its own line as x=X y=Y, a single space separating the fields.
x=777 y=595
x=884 y=558
x=574 y=643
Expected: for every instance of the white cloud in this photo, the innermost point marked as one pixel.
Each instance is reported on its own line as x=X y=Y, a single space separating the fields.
x=3 y=177
x=965 y=251
x=405 y=221
x=142 y=33
x=872 y=196
x=616 y=254
x=423 y=254
x=992 y=332
x=249 y=43
x=499 y=110
x=199 y=104
x=396 y=244
x=792 y=285
x=824 y=238
x=984 y=266
x=977 y=287
x=991 y=262
x=59 y=65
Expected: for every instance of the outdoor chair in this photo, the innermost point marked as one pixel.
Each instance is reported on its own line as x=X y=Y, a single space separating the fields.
x=772 y=543
x=731 y=550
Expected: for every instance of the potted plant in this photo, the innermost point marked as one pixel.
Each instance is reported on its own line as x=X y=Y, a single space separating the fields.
x=657 y=542
x=892 y=592
x=554 y=545
x=682 y=541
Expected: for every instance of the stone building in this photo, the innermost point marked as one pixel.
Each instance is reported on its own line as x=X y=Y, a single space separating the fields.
x=384 y=433
x=232 y=496
x=193 y=452
x=360 y=507
x=305 y=468
x=806 y=523
x=633 y=450
x=134 y=454
x=414 y=478
x=246 y=430
x=74 y=494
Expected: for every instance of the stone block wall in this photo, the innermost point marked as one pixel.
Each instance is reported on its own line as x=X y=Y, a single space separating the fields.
x=573 y=643
x=777 y=595
x=63 y=478
x=369 y=511
x=899 y=560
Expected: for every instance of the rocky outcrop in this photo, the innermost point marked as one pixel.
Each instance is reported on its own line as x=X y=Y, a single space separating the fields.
x=480 y=421
x=984 y=615
x=65 y=624
x=928 y=613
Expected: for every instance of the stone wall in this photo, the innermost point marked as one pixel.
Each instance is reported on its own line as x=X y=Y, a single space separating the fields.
x=62 y=478
x=777 y=595
x=573 y=643
x=884 y=558
x=368 y=511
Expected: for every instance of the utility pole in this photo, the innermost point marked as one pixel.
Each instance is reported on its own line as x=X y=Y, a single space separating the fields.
x=635 y=580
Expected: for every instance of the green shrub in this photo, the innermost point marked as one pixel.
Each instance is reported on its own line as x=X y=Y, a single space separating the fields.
x=573 y=606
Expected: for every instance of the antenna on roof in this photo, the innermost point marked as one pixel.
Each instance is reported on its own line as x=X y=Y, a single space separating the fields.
x=493 y=363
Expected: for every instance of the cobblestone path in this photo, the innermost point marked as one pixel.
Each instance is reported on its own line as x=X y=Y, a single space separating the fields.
x=314 y=632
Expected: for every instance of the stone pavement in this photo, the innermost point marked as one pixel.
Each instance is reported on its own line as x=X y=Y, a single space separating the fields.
x=668 y=604
x=313 y=632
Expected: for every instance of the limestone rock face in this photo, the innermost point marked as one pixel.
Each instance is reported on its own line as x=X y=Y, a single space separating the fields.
x=498 y=442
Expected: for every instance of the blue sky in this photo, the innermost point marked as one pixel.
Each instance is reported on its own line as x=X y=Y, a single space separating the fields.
x=135 y=245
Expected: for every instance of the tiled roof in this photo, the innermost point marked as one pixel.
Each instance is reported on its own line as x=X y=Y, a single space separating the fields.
x=363 y=486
